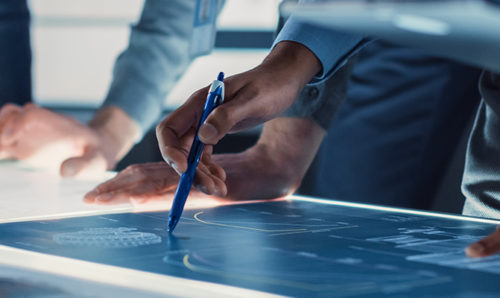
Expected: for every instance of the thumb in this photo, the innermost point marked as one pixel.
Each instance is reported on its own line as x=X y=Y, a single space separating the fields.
x=90 y=162
x=241 y=111
x=215 y=127
x=221 y=121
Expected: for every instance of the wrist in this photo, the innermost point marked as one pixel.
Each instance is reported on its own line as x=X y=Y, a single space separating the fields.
x=296 y=61
x=117 y=133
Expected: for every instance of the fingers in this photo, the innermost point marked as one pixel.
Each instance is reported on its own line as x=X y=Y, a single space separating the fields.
x=176 y=132
x=176 y=157
x=249 y=102
x=213 y=167
x=210 y=177
x=209 y=183
x=13 y=122
x=91 y=162
x=144 y=182
x=486 y=246
x=216 y=126
x=8 y=113
x=139 y=182
x=223 y=118
x=8 y=109
x=175 y=143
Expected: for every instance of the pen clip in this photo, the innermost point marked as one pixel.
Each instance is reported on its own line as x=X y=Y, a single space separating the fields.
x=216 y=84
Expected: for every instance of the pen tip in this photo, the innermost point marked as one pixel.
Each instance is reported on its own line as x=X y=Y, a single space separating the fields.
x=221 y=76
x=172 y=222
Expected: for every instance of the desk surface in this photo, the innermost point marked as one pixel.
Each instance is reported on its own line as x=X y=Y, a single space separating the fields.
x=294 y=247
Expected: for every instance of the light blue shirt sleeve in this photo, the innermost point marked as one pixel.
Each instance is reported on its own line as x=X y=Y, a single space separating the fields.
x=155 y=59
x=331 y=47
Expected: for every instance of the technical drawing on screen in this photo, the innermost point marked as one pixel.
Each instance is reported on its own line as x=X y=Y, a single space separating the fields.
x=291 y=247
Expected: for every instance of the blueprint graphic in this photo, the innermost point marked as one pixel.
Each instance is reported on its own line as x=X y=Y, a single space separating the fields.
x=292 y=248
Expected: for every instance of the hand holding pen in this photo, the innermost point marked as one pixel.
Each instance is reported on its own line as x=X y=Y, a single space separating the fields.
x=215 y=97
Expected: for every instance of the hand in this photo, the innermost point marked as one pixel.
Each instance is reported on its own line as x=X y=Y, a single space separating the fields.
x=272 y=168
x=251 y=98
x=45 y=138
x=487 y=246
x=141 y=183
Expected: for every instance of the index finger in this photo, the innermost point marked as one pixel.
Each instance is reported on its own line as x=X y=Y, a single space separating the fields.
x=176 y=132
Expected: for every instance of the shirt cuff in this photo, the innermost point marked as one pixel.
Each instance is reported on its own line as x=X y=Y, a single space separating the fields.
x=331 y=47
x=142 y=106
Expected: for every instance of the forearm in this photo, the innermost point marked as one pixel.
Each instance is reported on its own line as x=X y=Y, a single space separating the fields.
x=156 y=57
x=292 y=143
x=332 y=48
x=294 y=61
x=275 y=166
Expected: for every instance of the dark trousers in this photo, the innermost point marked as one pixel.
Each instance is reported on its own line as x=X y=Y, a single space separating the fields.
x=15 y=52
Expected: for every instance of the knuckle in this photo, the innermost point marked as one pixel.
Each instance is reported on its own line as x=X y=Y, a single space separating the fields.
x=129 y=168
x=158 y=184
x=101 y=188
x=135 y=169
x=138 y=170
x=9 y=106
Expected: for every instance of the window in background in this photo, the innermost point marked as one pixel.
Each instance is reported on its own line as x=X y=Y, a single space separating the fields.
x=75 y=43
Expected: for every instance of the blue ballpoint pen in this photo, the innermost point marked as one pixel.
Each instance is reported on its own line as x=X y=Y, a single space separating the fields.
x=215 y=97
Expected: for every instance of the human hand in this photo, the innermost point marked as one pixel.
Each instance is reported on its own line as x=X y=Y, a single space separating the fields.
x=45 y=138
x=487 y=246
x=251 y=98
x=141 y=183
x=270 y=169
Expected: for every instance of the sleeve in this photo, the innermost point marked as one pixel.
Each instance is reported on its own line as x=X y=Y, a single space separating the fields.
x=156 y=57
x=319 y=102
x=481 y=180
x=331 y=47
x=321 y=98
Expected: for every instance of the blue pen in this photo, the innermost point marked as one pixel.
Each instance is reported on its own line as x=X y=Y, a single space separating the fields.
x=215 y=97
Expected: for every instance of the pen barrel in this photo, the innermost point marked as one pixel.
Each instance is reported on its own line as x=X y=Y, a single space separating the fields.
x=197 y=146
x=213 y=99
x=181 y=194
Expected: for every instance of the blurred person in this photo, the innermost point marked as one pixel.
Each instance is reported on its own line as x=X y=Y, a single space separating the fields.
x=302 y=53
x=156 y=57
x=418 y=88
x=15 y=54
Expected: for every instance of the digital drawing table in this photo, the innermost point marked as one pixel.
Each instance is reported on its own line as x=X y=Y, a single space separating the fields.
x=294 y=247
x=466 y=30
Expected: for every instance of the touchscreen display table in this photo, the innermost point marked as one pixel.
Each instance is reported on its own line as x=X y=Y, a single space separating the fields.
x=295 y=247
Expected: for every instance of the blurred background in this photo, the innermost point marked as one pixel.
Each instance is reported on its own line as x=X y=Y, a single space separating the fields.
x=75 y=44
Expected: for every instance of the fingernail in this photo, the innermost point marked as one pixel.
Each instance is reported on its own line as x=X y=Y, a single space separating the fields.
x=207 y=131
x=174 y=166
x=217 y=193
x=203 y=189
x=104 y=197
